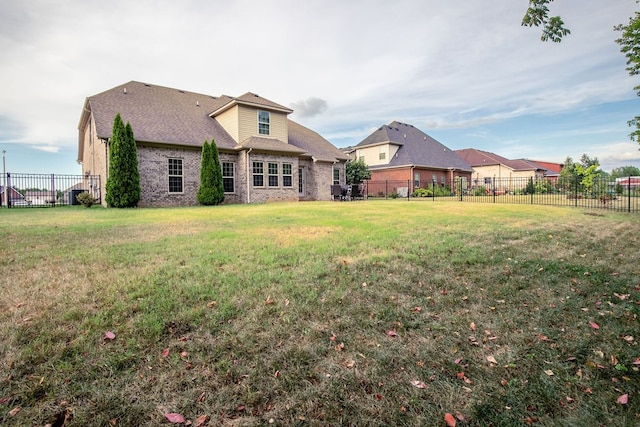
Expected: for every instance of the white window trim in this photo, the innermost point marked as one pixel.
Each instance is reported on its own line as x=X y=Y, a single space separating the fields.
x=169 y=176
x=232 y=177
x=267 y=123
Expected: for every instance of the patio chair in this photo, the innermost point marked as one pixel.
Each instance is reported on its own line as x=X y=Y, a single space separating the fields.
x=336 y=192
x=356 y=192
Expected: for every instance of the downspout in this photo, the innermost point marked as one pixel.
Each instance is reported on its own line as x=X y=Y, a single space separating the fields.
x=248 y=175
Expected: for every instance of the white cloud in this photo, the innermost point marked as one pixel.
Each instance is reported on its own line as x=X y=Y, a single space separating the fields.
x=346 y=67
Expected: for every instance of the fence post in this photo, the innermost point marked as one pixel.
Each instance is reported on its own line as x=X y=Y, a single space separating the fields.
x=386 y=189
x=493 y=184
x=629 y=194
x=533 y=190
x=576 y=190
x=6 y=188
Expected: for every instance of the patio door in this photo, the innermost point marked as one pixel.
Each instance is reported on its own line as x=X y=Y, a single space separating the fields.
x=302 y=181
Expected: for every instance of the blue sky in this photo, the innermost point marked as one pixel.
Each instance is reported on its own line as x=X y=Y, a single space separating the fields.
x=464 y=71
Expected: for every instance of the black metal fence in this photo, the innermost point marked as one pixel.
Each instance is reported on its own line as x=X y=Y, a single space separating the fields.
x=622 y=194
x=46 y=190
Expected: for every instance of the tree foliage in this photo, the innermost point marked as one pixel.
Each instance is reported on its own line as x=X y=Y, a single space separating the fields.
x=357 y=171
x=625 y=171
x=629 y=43
x=583 y=173
x=123 y=182
x=537 y=15
x=211 y=190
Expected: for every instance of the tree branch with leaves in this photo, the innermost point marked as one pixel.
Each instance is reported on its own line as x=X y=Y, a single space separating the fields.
x=538 y=16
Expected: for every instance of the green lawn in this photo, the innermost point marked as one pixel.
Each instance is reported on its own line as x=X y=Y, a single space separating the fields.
x=375 y=313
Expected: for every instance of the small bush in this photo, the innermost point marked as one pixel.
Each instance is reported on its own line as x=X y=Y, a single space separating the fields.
x=422 y=192
x=85 y=199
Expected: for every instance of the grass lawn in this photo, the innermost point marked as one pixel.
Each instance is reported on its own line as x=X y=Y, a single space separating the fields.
x=376 y=313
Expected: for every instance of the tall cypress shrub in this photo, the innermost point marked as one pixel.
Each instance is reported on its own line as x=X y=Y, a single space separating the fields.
x=217 y=174
x=123 y=182
x=211 y=190
x=206 y=191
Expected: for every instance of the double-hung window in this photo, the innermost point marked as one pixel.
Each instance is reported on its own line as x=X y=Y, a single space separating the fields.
x=287 y=175
x=263 y=122
x=228 y=177
x=273 y=174
x=175 y=176
x=336 y=176
x=258 y=174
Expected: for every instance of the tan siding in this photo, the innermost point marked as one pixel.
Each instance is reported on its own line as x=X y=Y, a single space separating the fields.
x=248 y=124
x=229 y=121
x=372 y=154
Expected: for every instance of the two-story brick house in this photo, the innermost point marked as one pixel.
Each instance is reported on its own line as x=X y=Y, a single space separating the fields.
x=264 y=155
x=401 y=152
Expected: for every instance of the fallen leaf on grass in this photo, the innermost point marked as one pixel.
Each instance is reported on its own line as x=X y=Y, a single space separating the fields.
x=472 y=326
x=492 y=359
x=174 y=418
x=450 y=420
x=637 y=361
x=594 y=325
x=109 y=335
x=458 y=360
x=340 y=347
x=623 y=400
x=549 y=372
x=418 y=384
x=14 y=411
x=202 y=420
x=392 y=333
x=165 y=352
x=628 y=338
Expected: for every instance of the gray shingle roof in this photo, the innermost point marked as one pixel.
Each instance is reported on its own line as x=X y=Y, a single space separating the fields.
x=314 y=144
x=159 y=114
x=171 y=116
x=416 y=148
x=269 y=144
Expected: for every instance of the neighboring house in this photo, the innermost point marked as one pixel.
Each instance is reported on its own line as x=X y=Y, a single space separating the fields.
x=264 y=155
x=551 y=170
x=14 y=196
x=491 y=169
x=629 y=182
x=402 y=152
x=40 y=198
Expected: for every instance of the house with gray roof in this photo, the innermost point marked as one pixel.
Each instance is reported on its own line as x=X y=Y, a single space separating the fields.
x=264 y=155
x=400 y=152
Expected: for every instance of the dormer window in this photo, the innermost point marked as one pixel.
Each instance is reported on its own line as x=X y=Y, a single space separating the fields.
x=263 y=122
